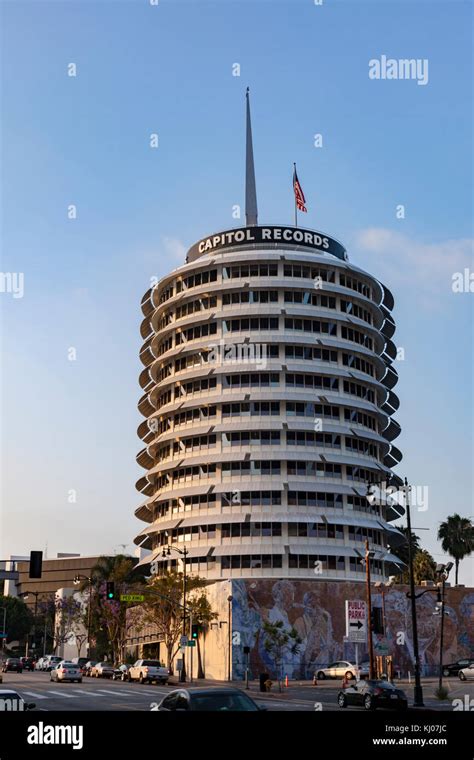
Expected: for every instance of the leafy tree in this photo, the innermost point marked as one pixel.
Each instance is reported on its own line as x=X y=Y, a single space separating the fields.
x=202 y=615
x=456 y=534
x=402 y=550
x=424 y=568
x=163 y=607
x=279 y=642
x=19 y=618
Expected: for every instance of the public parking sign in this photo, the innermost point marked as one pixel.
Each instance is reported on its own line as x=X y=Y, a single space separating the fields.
x=356 y=621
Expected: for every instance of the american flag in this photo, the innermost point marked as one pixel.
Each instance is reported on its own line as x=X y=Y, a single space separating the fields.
x=299 y=195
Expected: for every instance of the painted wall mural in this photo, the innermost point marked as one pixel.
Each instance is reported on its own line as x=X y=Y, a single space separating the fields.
x=316 y=609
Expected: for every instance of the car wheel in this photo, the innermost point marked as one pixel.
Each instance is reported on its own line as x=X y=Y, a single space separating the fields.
x=445 y=672
x=123 y=677
x=51 y=678
x=462 y=676
x=321 y=676
x=79 y=680
x=349 y=675
x=141 y=679
x=368 y=703
x=404 y=706
x=341 y=700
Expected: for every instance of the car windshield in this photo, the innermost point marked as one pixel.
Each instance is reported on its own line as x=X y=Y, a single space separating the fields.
x=152 y=663
x=223 y=702
x=68 y=665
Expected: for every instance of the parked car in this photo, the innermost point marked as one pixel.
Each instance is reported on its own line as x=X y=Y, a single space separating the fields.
x=86 y=670
x=48 y=662
x=208 y=700
x=12 y=664
x=467 y=674
x=66 y=671
x=28 y=663
x=147 y=671
x=341 y=669
x=121 y=673
x=11 y=700
x=454 y=668
x=80 y=661
x=373 y=694
x=102 y=670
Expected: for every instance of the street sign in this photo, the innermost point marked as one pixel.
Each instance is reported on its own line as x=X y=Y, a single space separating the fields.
x=356 y=621
x=191 y=643
x=132 y=598
x=183 y=641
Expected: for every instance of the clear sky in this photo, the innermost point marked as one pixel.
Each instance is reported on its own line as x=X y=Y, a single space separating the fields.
x=85 y=140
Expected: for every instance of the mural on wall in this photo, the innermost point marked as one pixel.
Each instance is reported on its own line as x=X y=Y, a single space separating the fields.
x=316 y=609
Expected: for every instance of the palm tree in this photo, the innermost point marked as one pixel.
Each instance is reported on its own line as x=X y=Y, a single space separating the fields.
x=402 y=551
x=202 y=615
x=456 y=534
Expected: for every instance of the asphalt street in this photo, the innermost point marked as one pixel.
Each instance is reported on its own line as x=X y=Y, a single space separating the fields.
x=103 y=694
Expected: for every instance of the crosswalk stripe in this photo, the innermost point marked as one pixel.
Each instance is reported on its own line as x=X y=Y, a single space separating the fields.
x=115 y=693
x=63 y=694
x=35 y=695
x=89 y=693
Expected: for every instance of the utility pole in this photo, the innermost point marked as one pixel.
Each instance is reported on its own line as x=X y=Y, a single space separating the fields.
x=369 y=610
x=418 y=693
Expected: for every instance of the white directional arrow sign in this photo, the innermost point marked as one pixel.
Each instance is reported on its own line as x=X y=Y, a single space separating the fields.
x=356 y=621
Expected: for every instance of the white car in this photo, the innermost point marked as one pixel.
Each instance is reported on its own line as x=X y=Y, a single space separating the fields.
x=147 y=671
x=11 y=700
x=66 y=671
x=341 y=669
x=467 y=674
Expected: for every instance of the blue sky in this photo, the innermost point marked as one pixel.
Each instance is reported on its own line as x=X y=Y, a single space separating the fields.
x=84 y=140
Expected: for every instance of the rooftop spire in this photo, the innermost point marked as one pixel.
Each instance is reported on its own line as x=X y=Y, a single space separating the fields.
x=250 y=187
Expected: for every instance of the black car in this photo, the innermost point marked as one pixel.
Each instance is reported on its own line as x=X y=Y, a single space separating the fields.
x=208 y=700
x=13 y=664
x=454 y=668
x=373 y=694
x=28 y=663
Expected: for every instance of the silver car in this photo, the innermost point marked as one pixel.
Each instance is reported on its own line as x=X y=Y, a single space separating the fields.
x=467 y=674
x=341 y=669
x=66 y=671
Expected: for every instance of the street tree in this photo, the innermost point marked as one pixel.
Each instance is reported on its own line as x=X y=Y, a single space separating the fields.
x=280 y=642
x=18 y=618
x=201 y=613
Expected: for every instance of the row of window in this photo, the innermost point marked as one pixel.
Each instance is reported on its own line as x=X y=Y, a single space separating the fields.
x=192 y=307
x=267 y=270
x=258 y=498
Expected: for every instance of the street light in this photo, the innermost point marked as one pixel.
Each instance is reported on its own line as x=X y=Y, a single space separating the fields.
x=368 y=556
x=229 y=636
x=90 y=580
x=4 y=629
x=418 y=691
x=183 y=552
x=442 y=571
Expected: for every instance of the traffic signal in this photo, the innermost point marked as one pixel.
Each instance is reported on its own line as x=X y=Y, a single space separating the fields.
x=376 y=618
x=36 y=564
x=110 y=590
x=194 y=631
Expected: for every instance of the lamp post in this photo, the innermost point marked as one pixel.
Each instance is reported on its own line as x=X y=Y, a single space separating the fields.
x=229 y=637
x=442 y=571
x=90 y=581
x=183 y=552
x=25 y=596
x=4 y=629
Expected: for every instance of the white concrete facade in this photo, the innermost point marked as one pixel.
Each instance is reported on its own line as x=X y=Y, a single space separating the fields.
x=268 y=402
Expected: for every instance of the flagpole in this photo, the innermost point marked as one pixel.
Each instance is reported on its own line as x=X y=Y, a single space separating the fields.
x=296 y=205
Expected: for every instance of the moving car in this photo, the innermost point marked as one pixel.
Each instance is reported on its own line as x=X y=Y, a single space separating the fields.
x=11 y=700
x=341 y=669
x=373 y=694
x=12 y=664
x=202 y=700
x=147 y=671
x=102 y=670
x=121 y=673
x=66 y=671
x=454 y=668
x=467 y=674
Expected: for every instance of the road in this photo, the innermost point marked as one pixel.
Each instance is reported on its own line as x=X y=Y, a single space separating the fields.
x=103 y=694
